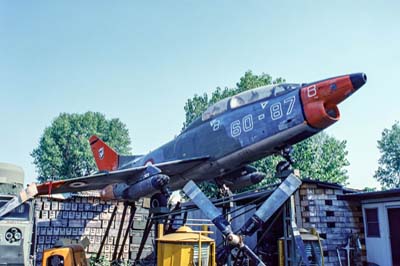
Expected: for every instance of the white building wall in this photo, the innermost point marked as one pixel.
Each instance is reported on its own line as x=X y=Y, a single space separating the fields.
x=379 y=248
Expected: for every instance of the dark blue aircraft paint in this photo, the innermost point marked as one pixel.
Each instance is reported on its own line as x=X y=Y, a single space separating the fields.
x=229 y=135
x=235 y=128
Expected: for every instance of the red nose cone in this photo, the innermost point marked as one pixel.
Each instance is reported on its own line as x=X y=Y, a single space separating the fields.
x=320 y=99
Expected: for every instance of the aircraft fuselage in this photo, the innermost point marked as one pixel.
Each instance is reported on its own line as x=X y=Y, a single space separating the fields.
x=249 y=129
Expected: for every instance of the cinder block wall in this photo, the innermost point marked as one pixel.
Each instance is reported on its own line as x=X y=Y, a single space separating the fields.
x=80 y=216
x=87 y=216
x=335 y=219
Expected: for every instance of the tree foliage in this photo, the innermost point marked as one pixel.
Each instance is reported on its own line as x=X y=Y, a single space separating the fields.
x=321 y=157
x=195 y=106
x=64 y=150
x=388 y=173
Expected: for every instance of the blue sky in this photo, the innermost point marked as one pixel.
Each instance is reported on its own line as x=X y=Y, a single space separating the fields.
x=141 y=60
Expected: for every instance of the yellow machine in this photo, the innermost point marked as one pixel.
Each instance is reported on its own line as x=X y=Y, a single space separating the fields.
x=69 y=255
x=312 y=244
x=185 y=247
x=66 y=253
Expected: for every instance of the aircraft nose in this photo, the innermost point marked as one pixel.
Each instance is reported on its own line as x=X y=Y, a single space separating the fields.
x=358 y=79
x=320 y=99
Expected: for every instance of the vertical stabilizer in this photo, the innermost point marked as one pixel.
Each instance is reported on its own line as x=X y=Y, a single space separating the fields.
x=105 y=157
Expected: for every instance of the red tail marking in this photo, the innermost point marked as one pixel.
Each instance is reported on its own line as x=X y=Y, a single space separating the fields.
x=105 y=157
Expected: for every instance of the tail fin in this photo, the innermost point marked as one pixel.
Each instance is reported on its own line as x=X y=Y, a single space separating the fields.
x=105 y=157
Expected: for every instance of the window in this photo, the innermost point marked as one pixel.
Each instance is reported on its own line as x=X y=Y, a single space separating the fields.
x=257 y=94
x=215 y=109
x=279 y=90
x=247 y=97
x=19 y=213
x=55 y=260
x=372 y=222
x=251 y=96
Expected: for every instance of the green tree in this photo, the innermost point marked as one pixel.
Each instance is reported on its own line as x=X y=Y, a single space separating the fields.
x=320 y=157
x=198 y=104
x=388 y=173
x=64 y=150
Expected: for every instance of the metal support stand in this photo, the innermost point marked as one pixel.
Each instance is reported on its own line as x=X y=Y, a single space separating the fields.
x=105 y=234
x=130 y=224
x=147 y=229
x=149 y=225
x=114 y=257
x=239 y=259
x=174 y=220
x=118 y=251
x=294 y=249
x=286 y=235
x=227 y=205
x=132 y=207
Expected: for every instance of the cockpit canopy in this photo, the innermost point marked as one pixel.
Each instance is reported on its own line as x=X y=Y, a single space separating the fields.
x=248 y=97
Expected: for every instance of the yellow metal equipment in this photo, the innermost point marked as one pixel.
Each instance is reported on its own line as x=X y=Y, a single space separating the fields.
x=67 y=255
x=312 y=244
x=185 y=247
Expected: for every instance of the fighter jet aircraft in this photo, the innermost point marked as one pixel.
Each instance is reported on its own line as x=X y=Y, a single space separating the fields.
x=221 y=143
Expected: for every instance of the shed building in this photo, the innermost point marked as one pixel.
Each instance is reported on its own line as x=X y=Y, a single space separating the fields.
x=381 y=213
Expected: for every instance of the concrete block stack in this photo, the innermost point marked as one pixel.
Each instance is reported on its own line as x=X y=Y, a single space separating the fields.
x=334 y=219
x=86 y=216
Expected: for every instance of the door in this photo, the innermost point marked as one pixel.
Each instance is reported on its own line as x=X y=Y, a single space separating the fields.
x=394 y=234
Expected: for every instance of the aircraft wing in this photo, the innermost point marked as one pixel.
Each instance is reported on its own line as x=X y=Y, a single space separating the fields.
x=128 y=176
x=97 y=181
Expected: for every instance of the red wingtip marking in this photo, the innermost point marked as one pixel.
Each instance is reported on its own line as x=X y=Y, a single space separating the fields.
x=48 y=187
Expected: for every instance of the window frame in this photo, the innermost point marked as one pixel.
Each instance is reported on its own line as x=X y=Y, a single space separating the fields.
x=243 y=99
x=369 y=223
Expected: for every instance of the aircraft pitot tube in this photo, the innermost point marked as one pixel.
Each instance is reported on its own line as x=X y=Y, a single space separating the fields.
x=122 y=191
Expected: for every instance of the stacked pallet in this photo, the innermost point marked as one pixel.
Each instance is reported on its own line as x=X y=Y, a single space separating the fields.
x=87 y=216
